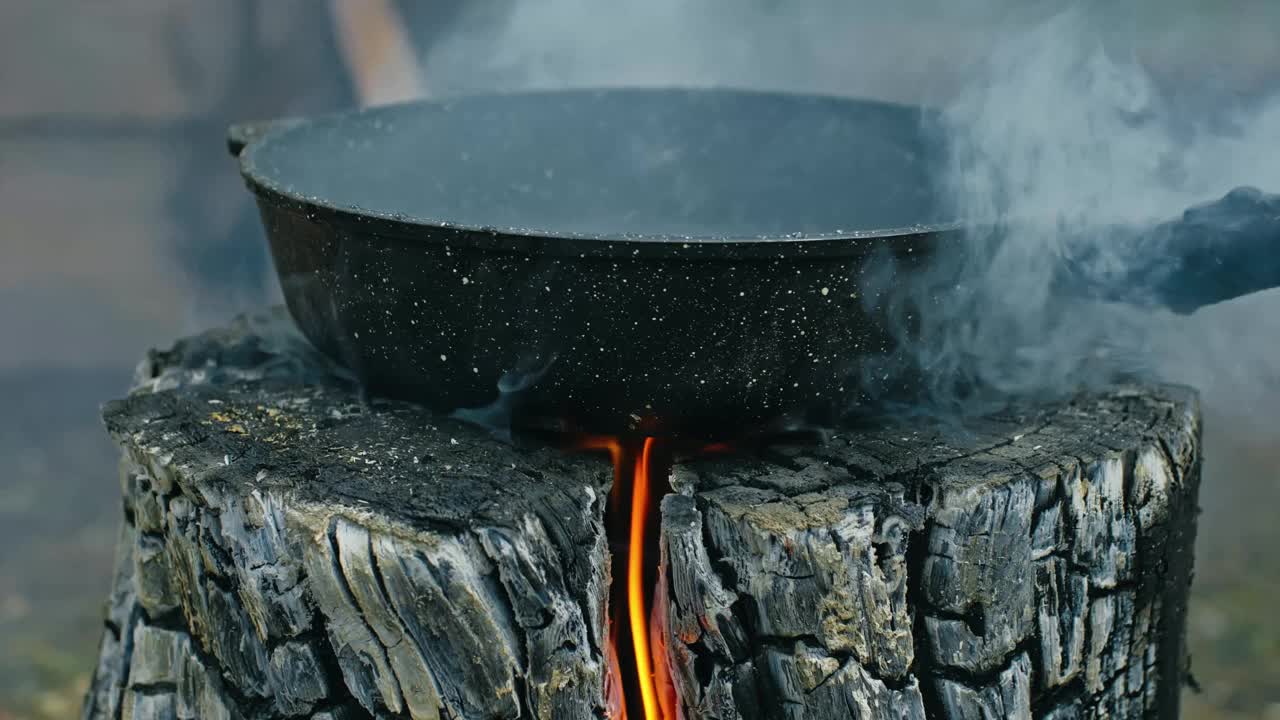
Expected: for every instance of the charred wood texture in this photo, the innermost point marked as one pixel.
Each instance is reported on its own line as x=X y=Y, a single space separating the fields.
x=291 y=551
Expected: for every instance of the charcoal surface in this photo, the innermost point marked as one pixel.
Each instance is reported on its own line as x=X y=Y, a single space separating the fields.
x=289 y=550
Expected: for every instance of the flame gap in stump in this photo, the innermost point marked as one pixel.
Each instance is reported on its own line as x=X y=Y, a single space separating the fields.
x=287 y=551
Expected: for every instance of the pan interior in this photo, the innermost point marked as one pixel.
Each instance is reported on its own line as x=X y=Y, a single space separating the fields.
x=697 y=164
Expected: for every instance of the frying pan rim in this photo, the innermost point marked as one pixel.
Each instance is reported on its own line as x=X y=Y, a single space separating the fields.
x=404 y=227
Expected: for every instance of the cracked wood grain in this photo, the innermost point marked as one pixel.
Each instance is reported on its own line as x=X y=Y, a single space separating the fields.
x=289 y=551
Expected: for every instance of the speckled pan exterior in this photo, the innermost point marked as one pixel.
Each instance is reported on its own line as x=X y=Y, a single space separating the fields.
x=658 y=333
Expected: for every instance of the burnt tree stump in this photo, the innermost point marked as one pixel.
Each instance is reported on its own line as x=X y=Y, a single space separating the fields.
x=289 y=551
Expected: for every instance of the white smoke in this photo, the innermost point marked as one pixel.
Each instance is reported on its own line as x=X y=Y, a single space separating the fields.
x=1059 y=140
x=832 y=46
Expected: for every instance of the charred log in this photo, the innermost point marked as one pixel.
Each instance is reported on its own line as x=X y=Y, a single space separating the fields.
x=289 y=551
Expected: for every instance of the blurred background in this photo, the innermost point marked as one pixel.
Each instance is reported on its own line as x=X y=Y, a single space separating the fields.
x=123 y=225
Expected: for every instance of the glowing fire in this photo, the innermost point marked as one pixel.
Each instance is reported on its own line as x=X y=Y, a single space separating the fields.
x=639 y=683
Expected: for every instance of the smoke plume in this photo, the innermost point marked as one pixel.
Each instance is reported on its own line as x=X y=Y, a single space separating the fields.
x=1058 y=149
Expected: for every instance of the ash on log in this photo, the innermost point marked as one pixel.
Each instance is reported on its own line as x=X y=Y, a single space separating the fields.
x=288 y=551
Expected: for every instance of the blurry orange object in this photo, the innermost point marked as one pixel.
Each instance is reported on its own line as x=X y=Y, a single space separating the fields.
x=377 y=50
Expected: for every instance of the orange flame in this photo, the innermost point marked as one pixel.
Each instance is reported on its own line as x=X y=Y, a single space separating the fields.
x=636 y=604
x=648 y=680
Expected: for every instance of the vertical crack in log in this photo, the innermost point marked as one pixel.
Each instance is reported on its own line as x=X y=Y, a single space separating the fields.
x=417 y=685
x=923 y=666
x=376 y=667
x=641 y=684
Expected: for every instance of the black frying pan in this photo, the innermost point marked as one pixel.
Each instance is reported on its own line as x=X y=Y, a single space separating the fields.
x=657 y=261
x=628 y=260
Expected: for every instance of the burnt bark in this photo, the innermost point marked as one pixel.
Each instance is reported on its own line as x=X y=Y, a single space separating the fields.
x=289 y=550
